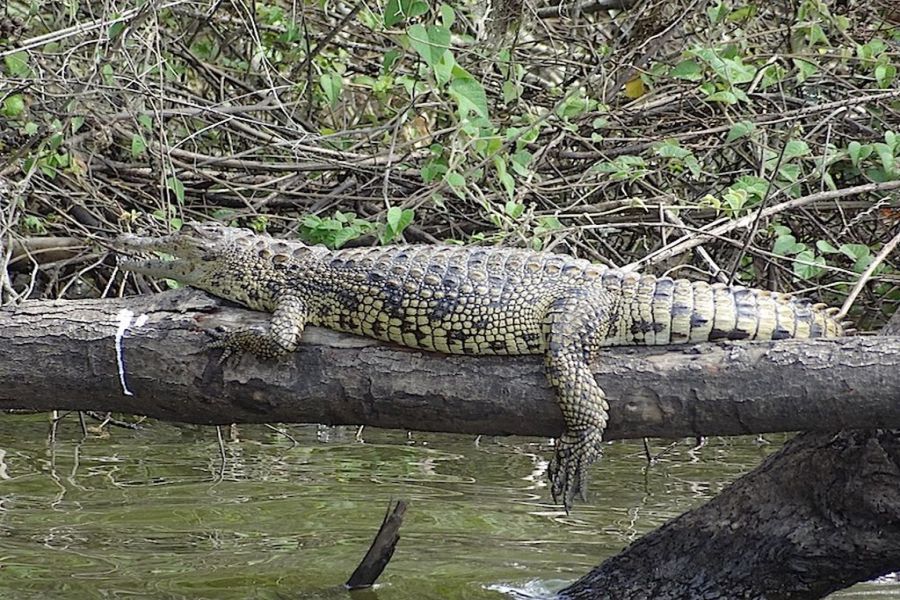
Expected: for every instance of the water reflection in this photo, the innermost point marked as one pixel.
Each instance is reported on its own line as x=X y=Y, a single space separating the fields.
x=259 y=512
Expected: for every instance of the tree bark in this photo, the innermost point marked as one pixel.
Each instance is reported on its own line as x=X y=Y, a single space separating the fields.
x=818 y=516
x=62 y=355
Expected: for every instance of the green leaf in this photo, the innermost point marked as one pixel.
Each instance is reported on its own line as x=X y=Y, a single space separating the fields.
x=854 y=251
x=13 y=106
x=805 y=69
x=575 y=105
x=514 y=209
x=505 y=178
x=547 y=224
x=825 y=247
x=735 y=199
x=448 y=16
x=31 y=128
x=811 y=266
x=342 y=236
x=781 y=230
x=886 y=156
x=456 y=181
x=398 y=219
x=390 y=59
x=520 y=161
x=115 y=29
x=470 y=96
x=394 y=214
x=693 y=165
x=853 y=149
x=146 y=121
x=397 y=11
x=331 y=85
x=717 y=13
x=433 y=170
x=795 y=149
x=739 y=130
x=393 y=13
x=138 y=145
x=724 y=97
x=885 y=75
x=17 y=64
x=431 y=43
x=174 y=184
x=443 y=70
x=670 y=148
x=786 y=245
x=689 y=70
x=789 y=172
x=511 y=91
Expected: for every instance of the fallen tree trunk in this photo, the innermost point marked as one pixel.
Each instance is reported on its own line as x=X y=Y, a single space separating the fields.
x=81 y=355
x=816 y=517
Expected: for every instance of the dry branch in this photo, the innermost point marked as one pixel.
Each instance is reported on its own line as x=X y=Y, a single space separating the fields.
x=62 y=355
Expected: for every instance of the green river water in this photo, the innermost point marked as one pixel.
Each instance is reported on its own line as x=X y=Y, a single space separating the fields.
x=161 y=513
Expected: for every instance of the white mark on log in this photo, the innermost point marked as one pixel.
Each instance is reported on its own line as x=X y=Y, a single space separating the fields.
x=126 y=320
x=4 y=474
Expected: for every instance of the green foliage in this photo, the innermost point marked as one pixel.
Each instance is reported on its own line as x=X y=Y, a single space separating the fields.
x=432 y=42
x=627 y=167
x=175 y=185
x=491 y=136
x=807 y=264
x=722 y=71
x=878 y=161
x=334 y=231
x=13 y=106
x=399 y=11
x=31 y=224
x=17 y=64
x=679 y=157
x=876 y=59
x=331 y=84
x=397 y=220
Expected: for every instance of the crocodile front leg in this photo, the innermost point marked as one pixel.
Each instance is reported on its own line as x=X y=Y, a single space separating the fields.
x=576 y=326
x=282 y=337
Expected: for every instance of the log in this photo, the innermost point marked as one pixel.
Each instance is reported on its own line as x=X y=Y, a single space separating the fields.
x=83 y=355
x=818 y=516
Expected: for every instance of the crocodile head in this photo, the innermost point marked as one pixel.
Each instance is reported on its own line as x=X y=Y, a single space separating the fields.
x=230 y=262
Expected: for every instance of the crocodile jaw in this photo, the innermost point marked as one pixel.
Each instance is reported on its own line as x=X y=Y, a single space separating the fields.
x=189 y=256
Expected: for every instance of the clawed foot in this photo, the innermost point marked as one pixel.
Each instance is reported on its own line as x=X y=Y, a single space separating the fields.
x=246 y=340
x=228 y=342
x=575 y=451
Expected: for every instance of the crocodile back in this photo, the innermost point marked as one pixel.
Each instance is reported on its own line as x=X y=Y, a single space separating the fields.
x=445 y=298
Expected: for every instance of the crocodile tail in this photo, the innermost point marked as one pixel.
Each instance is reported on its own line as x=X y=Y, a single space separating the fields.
x=672 y=311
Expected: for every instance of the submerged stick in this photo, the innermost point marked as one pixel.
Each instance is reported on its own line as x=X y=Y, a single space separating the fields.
x=381 y=550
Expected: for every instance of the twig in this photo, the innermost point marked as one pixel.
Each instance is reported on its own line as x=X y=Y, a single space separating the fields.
x=381 y=550
x=864 y=278
x=687 y=242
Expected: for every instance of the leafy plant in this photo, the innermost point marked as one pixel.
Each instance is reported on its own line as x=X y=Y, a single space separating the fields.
x=334 y=231
x=396 y=221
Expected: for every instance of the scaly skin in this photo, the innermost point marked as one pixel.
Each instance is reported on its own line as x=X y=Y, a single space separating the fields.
x=474 y=301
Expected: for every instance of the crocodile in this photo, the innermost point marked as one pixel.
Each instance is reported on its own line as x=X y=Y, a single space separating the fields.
x=472 y=300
